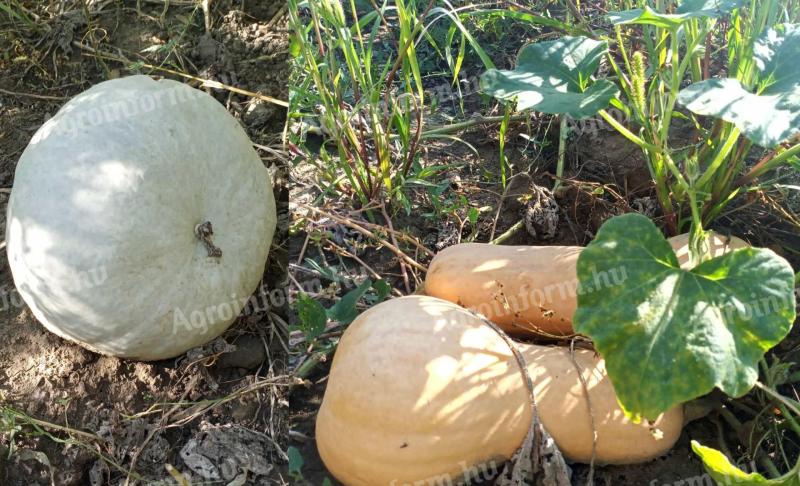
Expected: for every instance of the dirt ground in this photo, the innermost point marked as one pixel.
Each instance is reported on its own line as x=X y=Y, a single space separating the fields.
x=233 y=407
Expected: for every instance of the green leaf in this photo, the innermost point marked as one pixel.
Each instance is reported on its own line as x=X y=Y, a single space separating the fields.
x=312 y=316
x=296 y=462
x=295 y=45
x=709 y=8
x=770 y=116
x=724 y=473
x=503 y=13
x=553 y=77
x=136 y=67
x=456 y=19
x=646 y=16
x=473 y=216
x=18 y=14
x=671 y=335
x=329 y=273
x=382 y=290
x=345 y=310
x=687 y=10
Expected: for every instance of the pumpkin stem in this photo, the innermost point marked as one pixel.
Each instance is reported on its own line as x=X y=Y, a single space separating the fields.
x=203 y=231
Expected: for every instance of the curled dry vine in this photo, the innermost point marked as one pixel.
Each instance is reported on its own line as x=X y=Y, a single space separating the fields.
x=538 y=458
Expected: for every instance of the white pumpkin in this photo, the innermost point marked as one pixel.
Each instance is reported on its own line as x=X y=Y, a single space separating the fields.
x=108 y=221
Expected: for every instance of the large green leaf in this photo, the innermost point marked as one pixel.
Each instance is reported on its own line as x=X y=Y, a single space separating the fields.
x=687 y=10
x=709 y=8
x=554 y=77
x=671 y=335
x=723 y=472
x=771 y=116
x=646 y=16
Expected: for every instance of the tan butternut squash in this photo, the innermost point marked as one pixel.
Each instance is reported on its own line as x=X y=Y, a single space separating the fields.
x=522 y=289
x=526 y=290
x=422 y=390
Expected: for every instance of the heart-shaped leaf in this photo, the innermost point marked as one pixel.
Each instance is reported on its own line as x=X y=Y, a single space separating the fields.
x=723 y=472
x=554 y=77
x=687 y=10
x=671 y=335
x=771 y=116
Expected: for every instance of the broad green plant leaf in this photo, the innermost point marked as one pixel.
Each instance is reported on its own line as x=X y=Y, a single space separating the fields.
x=687 y=10
x=709 y=8
x=770 y=116
x=646 y=16
x=670 y=335
x=554 y=77
x=724 y=473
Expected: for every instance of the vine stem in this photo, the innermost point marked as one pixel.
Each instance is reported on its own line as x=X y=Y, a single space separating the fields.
x=509 y=233
x=210 y=83
x=401 y=55
x=627 y=133
x=674 y=88
x=576 y=12
x=585 y=386
x=455 y=127
x=766 y=164
x=399 y=253
x=777 y=396
x=783 y=404
x=48 y=425
x=531 y=442
x=563 y=133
